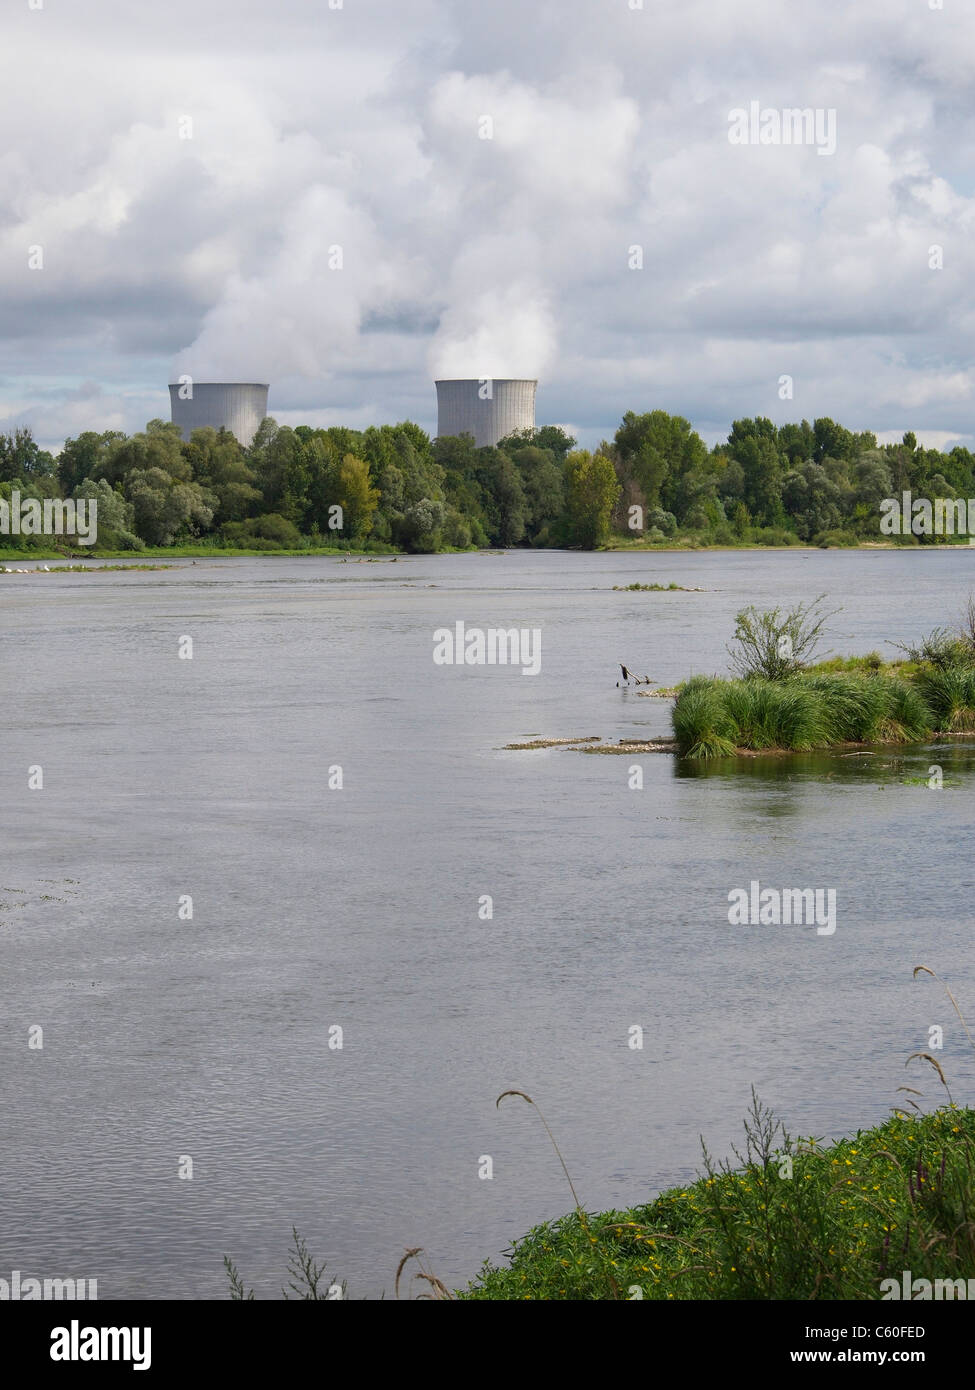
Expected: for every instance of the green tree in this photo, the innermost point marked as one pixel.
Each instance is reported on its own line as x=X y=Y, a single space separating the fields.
x=419 y=529
x=86 y=457
x=359 y=499
x=592 y=489
x=811 y=499
x=219 y=466
x=760 y=465
x=21 y=457
x=165 y=507
x=115 y=516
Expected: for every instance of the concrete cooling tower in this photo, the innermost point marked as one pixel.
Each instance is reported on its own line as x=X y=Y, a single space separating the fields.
x=237 y=406
x=465 y=407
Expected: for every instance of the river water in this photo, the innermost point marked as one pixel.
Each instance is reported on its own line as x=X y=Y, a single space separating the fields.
x=317 y=907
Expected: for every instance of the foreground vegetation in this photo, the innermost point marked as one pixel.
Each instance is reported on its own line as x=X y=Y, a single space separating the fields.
x=655 y=484
x=788 y=1218
x=792 y=1219
x=779 y=701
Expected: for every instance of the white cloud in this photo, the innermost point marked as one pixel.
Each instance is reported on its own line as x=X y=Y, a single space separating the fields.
x=359 y=127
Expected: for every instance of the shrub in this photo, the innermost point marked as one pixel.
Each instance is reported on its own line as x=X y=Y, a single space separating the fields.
x=838 y=539
x=773 y=535
x=774 y=646
x=270 y=532
x=941 y=648
x=663 y=521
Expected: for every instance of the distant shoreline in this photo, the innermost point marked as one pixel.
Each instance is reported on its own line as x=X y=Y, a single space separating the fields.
x=188 y=552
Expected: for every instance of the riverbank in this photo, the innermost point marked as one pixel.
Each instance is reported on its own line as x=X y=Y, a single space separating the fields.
x=794 y=1219
x=376 y=550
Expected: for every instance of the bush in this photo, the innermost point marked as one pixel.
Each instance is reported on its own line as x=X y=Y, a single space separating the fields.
x=456 y=531
x=837 y=539
x=662 y=521
x=774 y=646
x=270 y=532
x=773 y=535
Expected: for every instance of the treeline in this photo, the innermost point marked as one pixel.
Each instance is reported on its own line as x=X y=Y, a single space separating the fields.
x=393 y=487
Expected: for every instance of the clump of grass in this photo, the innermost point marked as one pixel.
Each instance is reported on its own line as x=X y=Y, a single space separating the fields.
x=701 y=722
x=908 y=717
x=752 y=707
x=853 y=706
x=711 y=718
x=950 y=693
x=800 y=718
x=647 y=588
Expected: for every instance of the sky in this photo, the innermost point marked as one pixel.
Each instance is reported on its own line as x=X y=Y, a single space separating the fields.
x=349 y=198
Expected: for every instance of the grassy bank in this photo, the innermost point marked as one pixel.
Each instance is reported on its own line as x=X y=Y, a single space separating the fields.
x=785 y=1217
x=187 y=552
x=793 y=1219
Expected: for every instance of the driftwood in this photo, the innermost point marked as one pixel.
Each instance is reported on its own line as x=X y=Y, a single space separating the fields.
x=629 y=675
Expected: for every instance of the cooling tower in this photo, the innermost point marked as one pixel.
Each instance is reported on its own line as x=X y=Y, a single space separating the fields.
x=237 y=406
x=488 y=410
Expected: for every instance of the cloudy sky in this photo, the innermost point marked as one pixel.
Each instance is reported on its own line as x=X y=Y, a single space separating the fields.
x=193 y=172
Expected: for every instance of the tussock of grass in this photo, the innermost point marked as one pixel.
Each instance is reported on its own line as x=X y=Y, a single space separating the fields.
x=703 y=726
x=950 y=692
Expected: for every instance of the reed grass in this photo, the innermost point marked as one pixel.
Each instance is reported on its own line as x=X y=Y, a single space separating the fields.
x=950 y=693
x=712 y=718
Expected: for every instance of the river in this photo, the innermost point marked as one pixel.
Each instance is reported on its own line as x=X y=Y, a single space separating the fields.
x=317 y=907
